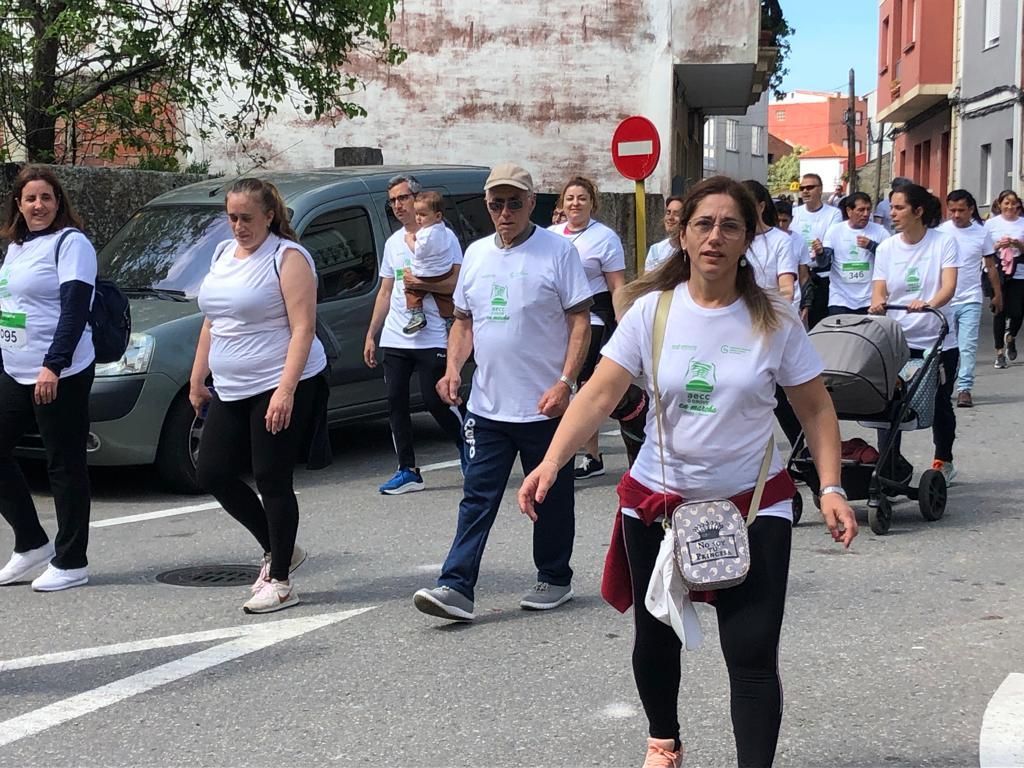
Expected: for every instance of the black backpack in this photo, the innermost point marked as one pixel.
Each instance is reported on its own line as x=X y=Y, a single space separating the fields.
x=110 y=318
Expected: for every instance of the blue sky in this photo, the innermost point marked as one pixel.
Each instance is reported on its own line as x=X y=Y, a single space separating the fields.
x=831 y=37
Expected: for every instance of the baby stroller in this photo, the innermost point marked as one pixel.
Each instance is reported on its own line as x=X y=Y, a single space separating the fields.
x=872 y=379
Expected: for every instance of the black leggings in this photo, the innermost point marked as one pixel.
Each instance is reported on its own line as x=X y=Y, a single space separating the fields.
x=64 y=428
x=233 y=431
x=1013 y=312
x=429 y=365
x=749 y=624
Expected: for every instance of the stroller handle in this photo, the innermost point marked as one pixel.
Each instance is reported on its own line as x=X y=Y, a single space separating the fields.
x=932 y=310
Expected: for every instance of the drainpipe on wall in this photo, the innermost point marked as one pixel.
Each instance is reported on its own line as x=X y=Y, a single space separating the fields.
x=1018 y=108
x=956 y=145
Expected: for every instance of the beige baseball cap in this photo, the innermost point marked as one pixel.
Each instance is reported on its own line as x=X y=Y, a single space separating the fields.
x=509 y=174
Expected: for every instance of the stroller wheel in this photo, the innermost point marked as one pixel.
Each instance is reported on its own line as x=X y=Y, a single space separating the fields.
x=798 y=508
x=931 y=495
x=880 y=517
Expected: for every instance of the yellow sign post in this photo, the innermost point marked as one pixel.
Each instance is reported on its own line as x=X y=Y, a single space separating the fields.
x=641 y=226
x=635 y=151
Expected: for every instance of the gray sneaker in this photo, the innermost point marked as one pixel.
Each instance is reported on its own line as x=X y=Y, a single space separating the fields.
x=544 y=596
x=445 y=603
x=1001 y=361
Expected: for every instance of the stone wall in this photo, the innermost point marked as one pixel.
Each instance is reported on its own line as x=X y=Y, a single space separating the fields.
x=104 y=197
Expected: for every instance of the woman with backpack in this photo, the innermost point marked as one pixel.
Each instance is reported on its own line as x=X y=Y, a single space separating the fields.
x=259 y=343
x=48 y=367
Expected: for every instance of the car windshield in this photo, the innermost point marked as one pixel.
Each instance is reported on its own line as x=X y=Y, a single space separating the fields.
x=165 y=248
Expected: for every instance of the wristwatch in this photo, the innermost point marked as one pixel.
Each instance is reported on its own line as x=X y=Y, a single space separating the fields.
x=569 y=383
x=836 y=489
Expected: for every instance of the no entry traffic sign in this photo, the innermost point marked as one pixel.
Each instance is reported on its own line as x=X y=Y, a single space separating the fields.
x=636 y=148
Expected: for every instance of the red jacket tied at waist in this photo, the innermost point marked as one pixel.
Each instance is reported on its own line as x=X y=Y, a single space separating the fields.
x=616 y=585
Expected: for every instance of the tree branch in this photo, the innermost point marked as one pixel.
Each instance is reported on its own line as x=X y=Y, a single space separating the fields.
x=102 y=86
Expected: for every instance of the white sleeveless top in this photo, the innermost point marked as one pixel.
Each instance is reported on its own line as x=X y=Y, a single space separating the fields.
x=249 y=330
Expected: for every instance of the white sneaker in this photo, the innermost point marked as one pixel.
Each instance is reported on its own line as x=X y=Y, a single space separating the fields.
x=22 y=564
x=299 y=556
x=55 y=579
x=273 y=596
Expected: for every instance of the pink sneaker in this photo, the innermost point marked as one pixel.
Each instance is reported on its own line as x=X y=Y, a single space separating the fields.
x=298 y=558
x=660 y=754
x=273 y=596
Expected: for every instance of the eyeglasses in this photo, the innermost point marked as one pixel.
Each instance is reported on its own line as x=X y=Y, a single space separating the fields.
x=728 y=229
x=499 y=204
x=393 y=201
x=809 y=187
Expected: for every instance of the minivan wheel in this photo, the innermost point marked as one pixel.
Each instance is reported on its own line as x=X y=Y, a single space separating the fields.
x=179 y=447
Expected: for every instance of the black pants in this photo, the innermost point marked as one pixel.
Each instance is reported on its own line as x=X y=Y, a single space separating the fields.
x=1012 y=314
x=944 y=423
x=835 y=309
x=429 y=365
x=819 y=300
x=64 y=428
x=236 y=430
x=749 y=625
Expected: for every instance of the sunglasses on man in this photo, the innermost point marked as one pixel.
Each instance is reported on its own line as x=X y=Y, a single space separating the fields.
x=499 y=204
x=809 y=187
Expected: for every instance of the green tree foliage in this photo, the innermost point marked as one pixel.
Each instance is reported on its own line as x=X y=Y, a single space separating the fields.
x=784 y=170
x=133 y=71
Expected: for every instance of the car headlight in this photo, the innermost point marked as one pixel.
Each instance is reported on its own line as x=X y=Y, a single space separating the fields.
x=136 y=358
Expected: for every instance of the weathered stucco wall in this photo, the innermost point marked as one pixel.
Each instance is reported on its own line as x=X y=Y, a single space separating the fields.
x=544 y=84
x=105 y=197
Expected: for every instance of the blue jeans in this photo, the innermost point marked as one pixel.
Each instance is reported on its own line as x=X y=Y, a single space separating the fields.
x=968 y=319
x=491 y=449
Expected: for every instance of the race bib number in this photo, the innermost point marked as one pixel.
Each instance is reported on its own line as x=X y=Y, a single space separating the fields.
x=12 y=331
x=856 y=271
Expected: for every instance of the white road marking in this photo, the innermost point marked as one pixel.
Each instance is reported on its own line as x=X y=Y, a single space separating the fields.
x=633 y=148
x=111 y=521
x=612 y=432
x=156 y=515
x=619 y=711
x=1002 y=728
x=247 y=639
x=440 y=465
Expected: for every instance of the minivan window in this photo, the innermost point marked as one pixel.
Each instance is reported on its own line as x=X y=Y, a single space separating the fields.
x=341 y=243
x=167 y=248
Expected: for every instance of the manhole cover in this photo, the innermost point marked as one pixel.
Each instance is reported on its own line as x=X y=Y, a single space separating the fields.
x=210 y=576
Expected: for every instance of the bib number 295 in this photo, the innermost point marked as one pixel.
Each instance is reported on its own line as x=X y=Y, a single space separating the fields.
x=12 y=331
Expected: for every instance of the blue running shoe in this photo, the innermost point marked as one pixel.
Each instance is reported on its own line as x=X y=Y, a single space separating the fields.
x=405 y=480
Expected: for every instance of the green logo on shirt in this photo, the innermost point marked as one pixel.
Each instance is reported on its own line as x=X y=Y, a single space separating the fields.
x=499 y=302
x=700 y=384
x=913 y=280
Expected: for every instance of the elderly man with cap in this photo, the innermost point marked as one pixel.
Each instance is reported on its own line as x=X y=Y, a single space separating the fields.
x=522 y=309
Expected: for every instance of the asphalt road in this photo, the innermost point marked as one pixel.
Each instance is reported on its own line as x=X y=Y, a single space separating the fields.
x=891 y=653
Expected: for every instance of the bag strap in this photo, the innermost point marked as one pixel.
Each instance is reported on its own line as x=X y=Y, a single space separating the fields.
x=658 y=342
x=60 y=242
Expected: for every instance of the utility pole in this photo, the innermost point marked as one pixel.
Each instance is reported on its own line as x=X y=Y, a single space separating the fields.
x=851 y=140
x=878 y=162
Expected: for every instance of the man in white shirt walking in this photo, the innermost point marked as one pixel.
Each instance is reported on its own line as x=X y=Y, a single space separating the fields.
x=404 y=354
x=852 y=245
x=522 y=308
x=811 y=221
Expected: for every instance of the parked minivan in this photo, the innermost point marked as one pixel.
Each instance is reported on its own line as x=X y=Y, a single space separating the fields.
x=139 y=407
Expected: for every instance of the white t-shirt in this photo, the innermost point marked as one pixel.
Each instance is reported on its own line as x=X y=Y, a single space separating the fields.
x=850 y=277
x=396 y=259
x=659 y=253
x=437 y=249
x=717 y=379
x=813 y=226
x=517 y=298
x=914 y=272
x=30 y=281
x=799 y=257
x=771 y=255
x=600 y=251
x=249 y=329
x=1000 y=227
x=975 y=243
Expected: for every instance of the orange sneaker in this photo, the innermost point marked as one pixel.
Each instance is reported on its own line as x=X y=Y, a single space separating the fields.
x=660 y=754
